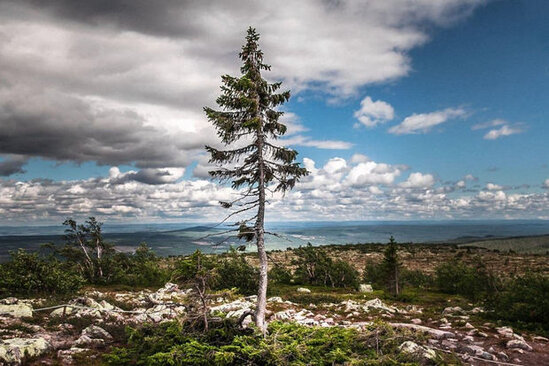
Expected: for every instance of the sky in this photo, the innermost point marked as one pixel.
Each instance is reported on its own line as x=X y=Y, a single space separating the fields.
x=400 y=109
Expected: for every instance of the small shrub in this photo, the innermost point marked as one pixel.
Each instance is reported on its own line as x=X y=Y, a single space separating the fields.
x=315 y=267
x=140 y=268
x=285 y=344
x=234 y=271
x=473 y=282
x=342 y=274
x=28 y=274
x=280 y=275
x=523 y=300
x=416 y=278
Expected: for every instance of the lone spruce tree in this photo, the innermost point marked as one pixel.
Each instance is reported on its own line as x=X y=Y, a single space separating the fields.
x=392 y=265
x=248 y=123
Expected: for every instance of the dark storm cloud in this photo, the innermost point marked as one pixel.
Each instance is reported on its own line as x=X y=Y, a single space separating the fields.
x=12 y=165
x=59 y=127
x=161 y=17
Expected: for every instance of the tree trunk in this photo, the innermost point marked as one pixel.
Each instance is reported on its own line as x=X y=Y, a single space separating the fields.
x=260 y=233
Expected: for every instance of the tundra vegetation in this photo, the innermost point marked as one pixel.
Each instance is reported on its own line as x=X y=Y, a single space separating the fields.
x=468 y=277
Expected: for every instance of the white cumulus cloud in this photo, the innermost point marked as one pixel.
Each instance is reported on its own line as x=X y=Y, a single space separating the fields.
x=418 y=180
x=373 y=113
x=502 y=131
x=424 y=122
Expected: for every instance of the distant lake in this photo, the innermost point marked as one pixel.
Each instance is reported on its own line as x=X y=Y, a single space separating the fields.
x=185 y=238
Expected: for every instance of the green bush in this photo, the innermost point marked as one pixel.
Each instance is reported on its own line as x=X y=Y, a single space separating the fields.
x=342 y=274
x=416 y=278
x=285 y=344
x=375 y=274
x=235 y=271
x=315 y=267
x=140 y=268
x=523 y=300
x=280 y=275
x=28 y=273
x=473 y=282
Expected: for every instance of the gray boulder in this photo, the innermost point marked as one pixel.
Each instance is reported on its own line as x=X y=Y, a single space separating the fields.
x=520 y=344
x=13 y=351
x=415 y=349
x=364 y=287
x=16 y=310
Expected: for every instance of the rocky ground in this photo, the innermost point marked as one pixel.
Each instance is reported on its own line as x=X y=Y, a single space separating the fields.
x=34 y=333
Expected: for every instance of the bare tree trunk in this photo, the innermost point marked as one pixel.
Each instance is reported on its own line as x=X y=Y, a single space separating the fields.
x=99 y=255
x=89 y=262
x=260 y=232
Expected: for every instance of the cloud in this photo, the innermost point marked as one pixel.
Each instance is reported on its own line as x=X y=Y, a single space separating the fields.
x=493 y=187
x=506 y=129
x=359 y=158
x=147 y=176
x=418 y=180
x=338 y=190
x=493 y=123
x=300 y=140
x=546 y=184
x=335 y=165
x=424 y=122
x=492 y=196
x=372 y=173
x=60 y=127
x=500 y=132
x=373 y=113
x=12 y=164
x=123 y=82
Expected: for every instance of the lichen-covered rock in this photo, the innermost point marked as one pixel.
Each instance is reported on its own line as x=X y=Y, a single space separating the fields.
x=379 y=305
x=435 y=333
x=364 y=287
x=284 y=315
x=85 y=341
x=505 y=331
x=478 y=351
x=13 y=351
x=93 y=331
x=18 y=310
x=415 y=349
x=518 y=344
x=541 y=339
x=9 y=301
x=452 y=310
x=239 y=304
x=169 y=293
x=157 y=314
x=86 y=306
x=66 y=355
